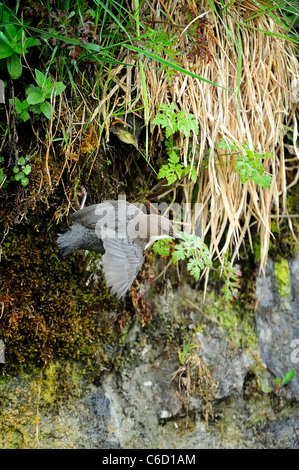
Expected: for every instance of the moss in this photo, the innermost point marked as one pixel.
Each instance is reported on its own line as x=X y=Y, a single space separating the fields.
x=285 y=244
x=282 y=273
x=50 y=310
x=236 y=318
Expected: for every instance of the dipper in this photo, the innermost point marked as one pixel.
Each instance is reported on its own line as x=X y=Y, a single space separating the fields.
x=121 y=232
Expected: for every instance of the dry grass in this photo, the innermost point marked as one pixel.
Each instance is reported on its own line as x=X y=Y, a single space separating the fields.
x=269 y=65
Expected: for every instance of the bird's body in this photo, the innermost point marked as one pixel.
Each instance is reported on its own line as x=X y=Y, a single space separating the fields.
x=121 y=232
x=128 y=128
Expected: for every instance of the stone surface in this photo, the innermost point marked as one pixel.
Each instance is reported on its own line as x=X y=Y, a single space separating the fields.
x=183 y=382
x=277 y=325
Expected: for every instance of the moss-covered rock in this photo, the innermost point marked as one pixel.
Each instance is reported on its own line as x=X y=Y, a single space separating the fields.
x=282 y=273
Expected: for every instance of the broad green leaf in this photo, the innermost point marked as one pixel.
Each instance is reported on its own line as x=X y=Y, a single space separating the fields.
x=60 y=87
x=24 y=181
x=27 y=169
x=21 y=161
x=267 y=388
x=4 y=39
x=35 y=108
x=11 y=32
x=18 y=49
x=289 y=376
x=35 y=97
x=29 y=42
x=19 y=176
x=40 y=78
x=24 y=115
x=14 y=66
x=46 y=108
x=5 y=51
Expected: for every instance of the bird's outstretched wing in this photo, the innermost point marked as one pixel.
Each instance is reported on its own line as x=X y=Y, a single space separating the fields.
x=110 y=214
x=122 y=262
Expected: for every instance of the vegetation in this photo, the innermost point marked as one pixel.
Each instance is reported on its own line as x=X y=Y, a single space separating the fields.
x=286 y=379
x=216 y=132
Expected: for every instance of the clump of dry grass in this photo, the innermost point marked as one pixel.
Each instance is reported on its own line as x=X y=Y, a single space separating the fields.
x=259 y=103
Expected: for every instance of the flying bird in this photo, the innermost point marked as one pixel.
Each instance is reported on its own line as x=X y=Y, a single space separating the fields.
x=121 y=232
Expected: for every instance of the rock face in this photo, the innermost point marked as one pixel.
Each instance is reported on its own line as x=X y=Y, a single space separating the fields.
x=277 y=320
x=191 y=379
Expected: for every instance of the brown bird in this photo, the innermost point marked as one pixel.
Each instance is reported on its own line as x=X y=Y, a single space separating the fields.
x=121 y=232
x=128 y=128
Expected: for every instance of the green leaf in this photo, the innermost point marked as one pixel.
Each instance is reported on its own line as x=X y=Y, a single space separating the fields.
x=162 y=247
x=24 y=181
x=26 y=169
x=289 y=376
x=24 y=116
x=16 y=169
x=5 y=51
x=35 y=108
x=179 y=253
x=29 y=42
x=19 y=176
x=267 y=388
x=21 y=161
x=32 y=88
x=4 y=39
x=35 y=97
x=46 y=108
x=277 y=381
x=60 y=87
x=187 y=123
x=18 y=49
x=195 y=266
x=40 y=78
x=11 y=32
x=14 y=66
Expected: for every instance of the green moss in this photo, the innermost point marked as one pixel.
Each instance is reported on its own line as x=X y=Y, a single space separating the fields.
x=50 y=310
x=282 y=273
x=285 y=244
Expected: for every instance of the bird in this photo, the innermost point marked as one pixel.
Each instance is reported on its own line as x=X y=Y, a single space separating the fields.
x=121 y=231
x=128 y=129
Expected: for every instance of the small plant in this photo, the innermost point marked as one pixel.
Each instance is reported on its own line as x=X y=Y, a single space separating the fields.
x=37 y=96
x=3 y=176
x=13 y=44
x=287 y=378
x=192 y=248
x=231 y=275
x=250 y=166
x=21 y=108
x=22 y=170
x=185 y=352
x=173 y=122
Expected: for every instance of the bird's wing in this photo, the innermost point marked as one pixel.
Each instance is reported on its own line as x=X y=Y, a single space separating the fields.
x=89 y=216
x=122 y=262
x=106 y=214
